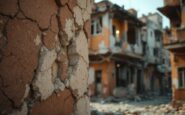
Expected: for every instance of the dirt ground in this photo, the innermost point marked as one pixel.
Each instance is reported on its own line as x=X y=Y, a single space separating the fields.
x=152 y=106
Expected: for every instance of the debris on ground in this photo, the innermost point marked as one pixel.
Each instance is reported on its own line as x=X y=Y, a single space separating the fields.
x=155 y=106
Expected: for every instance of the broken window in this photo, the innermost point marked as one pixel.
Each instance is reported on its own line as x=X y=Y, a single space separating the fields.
x=132 y=35
x=181 y=75
x=96 y=26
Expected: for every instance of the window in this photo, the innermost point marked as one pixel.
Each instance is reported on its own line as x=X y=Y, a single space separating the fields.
x=156 y=52
x=181 y=76
x=96 y=26
x=114 y=30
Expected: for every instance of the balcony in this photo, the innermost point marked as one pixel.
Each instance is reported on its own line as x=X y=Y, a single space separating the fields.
x=172 y=9
x=173 y=36
x=175 y=42
x=171 y=2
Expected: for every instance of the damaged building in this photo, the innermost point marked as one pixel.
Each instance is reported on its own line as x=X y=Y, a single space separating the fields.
x=126 y=52
x=156 y=58
x=115 y=50
x=174 y=41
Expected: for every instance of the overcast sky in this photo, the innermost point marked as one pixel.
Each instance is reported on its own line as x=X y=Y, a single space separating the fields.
x=142 y=6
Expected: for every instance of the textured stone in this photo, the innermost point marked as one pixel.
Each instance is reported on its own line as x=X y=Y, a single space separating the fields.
x=61 y=103
x=54 y=24
x=89 y=6
x=78 y=15
x=63 y=65
x=8 y=7
x=59 y=85
x=49 y=39
x=47 y=58
x=82 y=106
x=64 y=16
x=17 y=69
x=43 y=84
x=82 y=3
x=23 y=111
x=3 y=21
x=39 y=10
x=79 y=46
x=5 y=104
x=86 y=15
x=78 y=78
x=72 y=4
x=87 y=27
x=61 y=2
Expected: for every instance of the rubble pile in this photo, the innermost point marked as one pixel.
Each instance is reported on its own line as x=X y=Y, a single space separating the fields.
x=149 y=107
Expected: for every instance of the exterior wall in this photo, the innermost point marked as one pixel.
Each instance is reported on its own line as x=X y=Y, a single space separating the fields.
x=108 y=78
x=44 y=57
x=100 y=43
x=121 y=26
x=177 y=61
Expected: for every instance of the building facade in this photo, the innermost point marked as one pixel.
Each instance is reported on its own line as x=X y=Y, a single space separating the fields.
x=115 y=50
x=156 y=60
x=126 y=52
x=174 y=41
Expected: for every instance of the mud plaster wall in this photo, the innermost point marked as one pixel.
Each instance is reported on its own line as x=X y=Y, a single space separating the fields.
x=44 y=57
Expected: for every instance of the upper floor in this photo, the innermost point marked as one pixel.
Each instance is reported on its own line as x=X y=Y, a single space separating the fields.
x=175 y=36
x=115 y=30
x=152 y=38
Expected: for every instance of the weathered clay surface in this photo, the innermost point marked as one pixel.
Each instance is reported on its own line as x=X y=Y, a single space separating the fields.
x=44 y=57
x=87 y=27
x=61 y=103
x=63 y=64
x=82 y=103
x=39 y=10
x=19 y=56
x=78 y=78
x=8 y=7
x=49 y=39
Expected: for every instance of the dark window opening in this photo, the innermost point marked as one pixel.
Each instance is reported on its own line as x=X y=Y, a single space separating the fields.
x=156 y=52
x=132 y=35
x=144 y=47
x=114 y=31
x=181 y=75
x=98 y=84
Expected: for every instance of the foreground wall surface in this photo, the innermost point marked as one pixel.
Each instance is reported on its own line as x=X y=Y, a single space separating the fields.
x=44 y=57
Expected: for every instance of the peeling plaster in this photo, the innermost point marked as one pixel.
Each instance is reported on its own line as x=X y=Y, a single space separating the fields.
x=59 y=85
x=82 y=3
x=69 y=29
x=82 y=104
x=47 y=58
x=23 y=111
x=43 y=84
x=69 y=38
x=37 y=40
x=78 y=15
x=78 y=78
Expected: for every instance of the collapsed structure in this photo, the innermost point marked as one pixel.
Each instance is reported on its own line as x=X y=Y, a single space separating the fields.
x=119 y=48
x=174 y=41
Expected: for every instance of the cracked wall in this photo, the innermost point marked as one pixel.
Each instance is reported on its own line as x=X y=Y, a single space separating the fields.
x=44 y=57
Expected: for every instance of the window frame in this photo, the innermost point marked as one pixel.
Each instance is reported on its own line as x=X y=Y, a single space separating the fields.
x=183 y=77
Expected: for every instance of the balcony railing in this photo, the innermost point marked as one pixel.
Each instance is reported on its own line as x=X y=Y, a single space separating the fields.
x=171 y=2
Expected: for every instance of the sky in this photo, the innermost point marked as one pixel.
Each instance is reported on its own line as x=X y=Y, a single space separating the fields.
x=142 y=6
